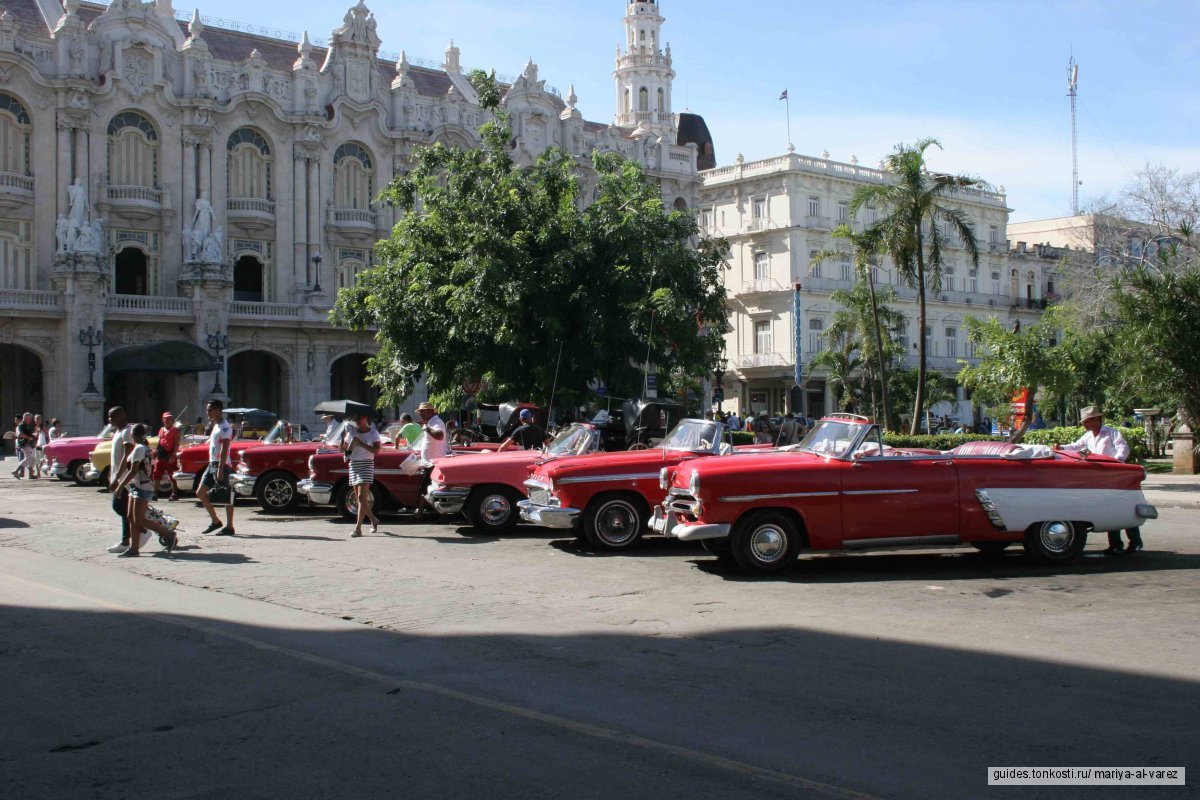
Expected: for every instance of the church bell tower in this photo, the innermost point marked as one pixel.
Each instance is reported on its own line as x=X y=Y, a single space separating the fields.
x=643 y=74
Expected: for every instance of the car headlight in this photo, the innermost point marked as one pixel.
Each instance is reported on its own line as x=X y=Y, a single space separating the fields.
x=312 y=468
x=664 y=478
x=243 y=468
x=694 y=484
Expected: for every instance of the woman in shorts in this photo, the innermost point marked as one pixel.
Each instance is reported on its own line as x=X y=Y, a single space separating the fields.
x=136 y=473
x=360 y=445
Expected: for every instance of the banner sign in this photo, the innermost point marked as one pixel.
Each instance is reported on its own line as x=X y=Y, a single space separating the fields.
x=798 y=329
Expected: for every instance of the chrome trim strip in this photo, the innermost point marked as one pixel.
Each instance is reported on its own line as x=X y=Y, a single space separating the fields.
x=884 y=491
x=749 y=498
x=643 y=476
x=901 y=541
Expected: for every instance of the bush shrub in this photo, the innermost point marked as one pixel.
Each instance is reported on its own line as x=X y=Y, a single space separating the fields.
x=938 y=441
x=1135 y=437
x=742 y=437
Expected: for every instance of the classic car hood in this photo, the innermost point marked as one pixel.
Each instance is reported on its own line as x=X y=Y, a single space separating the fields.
x=74 y=440
x=277 y=451
x=600 y=463
x=753 y=462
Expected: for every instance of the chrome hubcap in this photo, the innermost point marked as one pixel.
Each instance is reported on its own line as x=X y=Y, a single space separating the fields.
x=352 y=503
x=278 y=493
x=1056 y=536
x=495 y=509
x=617 y=523
x=768 y=543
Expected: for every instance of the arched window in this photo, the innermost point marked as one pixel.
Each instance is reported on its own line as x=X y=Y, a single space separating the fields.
x=14 y=136
x=130 y=272
x=248 y=279
x=352 y=177
x=628 y=100
x=132 y=151
x=662 y=103
x=643 y=99
x=348 y=272
x=249 y=165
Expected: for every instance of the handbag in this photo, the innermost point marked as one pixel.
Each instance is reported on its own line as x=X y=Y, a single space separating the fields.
x=220 y=495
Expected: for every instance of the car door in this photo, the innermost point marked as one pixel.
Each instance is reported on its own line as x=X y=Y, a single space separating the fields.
x=895 y=500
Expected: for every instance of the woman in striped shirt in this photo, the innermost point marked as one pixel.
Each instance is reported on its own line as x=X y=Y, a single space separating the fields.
x=360 y=444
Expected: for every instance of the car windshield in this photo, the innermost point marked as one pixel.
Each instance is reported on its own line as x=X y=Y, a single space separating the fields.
x=692 y=434
x=830 y=438
x=106 y=432
x=575 y=440
x=280 y=434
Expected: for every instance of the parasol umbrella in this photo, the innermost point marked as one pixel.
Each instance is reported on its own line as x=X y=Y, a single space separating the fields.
x=344 y=408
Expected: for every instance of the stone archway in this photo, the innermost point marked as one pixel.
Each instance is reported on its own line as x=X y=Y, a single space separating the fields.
x=22 y=386
x=348 y=380
x=257 y=379
x=131 y=272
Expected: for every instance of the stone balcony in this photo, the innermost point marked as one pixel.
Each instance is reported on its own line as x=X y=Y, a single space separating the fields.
x=251 y=213
x=138 y=202
x=143 y=308
x=761 y=361
x=359 y=225
x=30 y=302
x=15 y=190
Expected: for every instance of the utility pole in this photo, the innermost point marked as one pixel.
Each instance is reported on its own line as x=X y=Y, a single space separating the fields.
x=1072 y=88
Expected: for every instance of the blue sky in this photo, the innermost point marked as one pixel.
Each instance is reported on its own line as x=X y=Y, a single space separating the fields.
x=988 y=78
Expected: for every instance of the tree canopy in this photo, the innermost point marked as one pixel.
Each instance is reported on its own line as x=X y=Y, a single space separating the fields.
x=496 y=269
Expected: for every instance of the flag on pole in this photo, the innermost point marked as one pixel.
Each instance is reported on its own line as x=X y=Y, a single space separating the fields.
x=784 y=96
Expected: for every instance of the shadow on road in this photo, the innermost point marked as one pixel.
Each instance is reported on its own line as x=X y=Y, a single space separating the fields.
x=5 y=522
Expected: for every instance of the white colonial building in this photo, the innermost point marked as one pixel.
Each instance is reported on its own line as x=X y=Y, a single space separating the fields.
x=779 y=213
x=188 y=195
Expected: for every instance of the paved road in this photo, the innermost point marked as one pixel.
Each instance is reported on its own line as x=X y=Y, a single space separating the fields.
x=292 y=661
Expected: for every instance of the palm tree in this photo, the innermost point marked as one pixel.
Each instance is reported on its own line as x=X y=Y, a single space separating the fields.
x=875 y=358
x=911 y=199
x=842 y=363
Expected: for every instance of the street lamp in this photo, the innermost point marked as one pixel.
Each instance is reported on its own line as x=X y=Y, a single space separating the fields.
x=317 y=272
x=218 y=343
x=91 y=338
x=718 y=375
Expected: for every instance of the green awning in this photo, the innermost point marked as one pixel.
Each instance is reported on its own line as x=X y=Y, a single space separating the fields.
x=161 y=357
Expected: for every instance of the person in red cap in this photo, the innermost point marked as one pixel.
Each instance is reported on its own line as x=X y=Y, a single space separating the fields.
x=165 y=457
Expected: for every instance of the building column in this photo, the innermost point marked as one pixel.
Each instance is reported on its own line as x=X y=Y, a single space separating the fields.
x=313 y=215
x=300 y=222
x=63 y=153
x=189 y=183
x=206 y=169
x=81 y=158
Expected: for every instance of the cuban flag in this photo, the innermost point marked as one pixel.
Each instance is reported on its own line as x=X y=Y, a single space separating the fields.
x=784 y=96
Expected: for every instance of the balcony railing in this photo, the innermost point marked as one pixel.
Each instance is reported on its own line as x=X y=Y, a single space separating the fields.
x=15 y=183
x=821 y=223
x=758 y=360
x=760 y=286
x=356 y=217
x=180 y=306
x=134 y=194
x=250 y=206
x=266 y=310
x=760 y=224
x=31 y=300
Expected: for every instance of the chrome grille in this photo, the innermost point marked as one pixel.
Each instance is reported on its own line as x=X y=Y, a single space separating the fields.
x=539 y=497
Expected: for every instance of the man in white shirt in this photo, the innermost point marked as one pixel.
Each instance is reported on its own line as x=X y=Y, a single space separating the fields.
x=220 y=466
x=436 y=443
x=334 y=429
x=1102 y=440
x=122 y=445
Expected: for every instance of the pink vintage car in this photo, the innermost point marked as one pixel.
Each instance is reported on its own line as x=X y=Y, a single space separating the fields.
x=68 y=457
x=486 y=487
x=843 y=489
x=607 y=497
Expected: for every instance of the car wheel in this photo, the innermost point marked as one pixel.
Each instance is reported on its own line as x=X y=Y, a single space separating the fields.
x=765 y=542
x=76 y=471
x=347 y=505
x=721 y=548
x=276 y=492
x=492 y=509
x=991 y=548
x=615 y=521
x=1056 y=541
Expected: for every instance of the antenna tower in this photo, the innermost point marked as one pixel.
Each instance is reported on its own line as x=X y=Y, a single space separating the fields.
x=1072 y=88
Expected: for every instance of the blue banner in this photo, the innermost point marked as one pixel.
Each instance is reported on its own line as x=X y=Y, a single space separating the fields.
x=798 y=328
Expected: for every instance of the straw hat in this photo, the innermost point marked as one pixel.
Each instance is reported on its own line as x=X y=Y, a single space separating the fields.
x=1091 y=412
x=426 y=407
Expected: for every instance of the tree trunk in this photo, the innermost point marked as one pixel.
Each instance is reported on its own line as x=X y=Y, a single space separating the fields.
x=879 y=354
x=1019 y=433
x=920 y=404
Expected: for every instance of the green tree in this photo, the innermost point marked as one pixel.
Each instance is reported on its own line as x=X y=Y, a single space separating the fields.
x=840 y=360
x=1015 y=361
x=497 y=271
x=911 y=232
x=875 y=320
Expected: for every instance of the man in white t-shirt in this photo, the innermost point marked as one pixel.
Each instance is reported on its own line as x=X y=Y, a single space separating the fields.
x=220 y=467
x=122 y=445
x=434 y=444
x=1102 y=440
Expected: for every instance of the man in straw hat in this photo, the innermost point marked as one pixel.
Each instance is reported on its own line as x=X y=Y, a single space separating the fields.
x=1102 y=440
x=434 y=444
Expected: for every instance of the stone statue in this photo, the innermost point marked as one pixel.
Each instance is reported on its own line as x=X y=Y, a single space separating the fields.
x=78 y=214
x=202 y=220
x=61 y=233
x=90 y=237
x=213 y=248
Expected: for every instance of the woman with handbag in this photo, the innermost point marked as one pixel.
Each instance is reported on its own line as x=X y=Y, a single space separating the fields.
x=136 y=473
x=360 y=445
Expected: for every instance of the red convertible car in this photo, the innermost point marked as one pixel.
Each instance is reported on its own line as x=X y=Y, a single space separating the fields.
x=486 y=487
x=194 y=459
x=610 y=494
x=843 y=489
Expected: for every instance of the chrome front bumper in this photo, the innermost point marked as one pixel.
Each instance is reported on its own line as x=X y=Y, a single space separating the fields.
x=662 y=522
x=90 y=473
x=447 y=499
x=243 y=484
x=57 y=468
x=548 y=516
x=694 y=532
x=184 y=478
x=319 y=494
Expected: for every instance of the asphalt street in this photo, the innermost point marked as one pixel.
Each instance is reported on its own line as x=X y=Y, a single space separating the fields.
x=428 y=661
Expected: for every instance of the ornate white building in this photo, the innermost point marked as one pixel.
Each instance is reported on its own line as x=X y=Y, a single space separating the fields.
x=778 y=213
x=185 y=196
